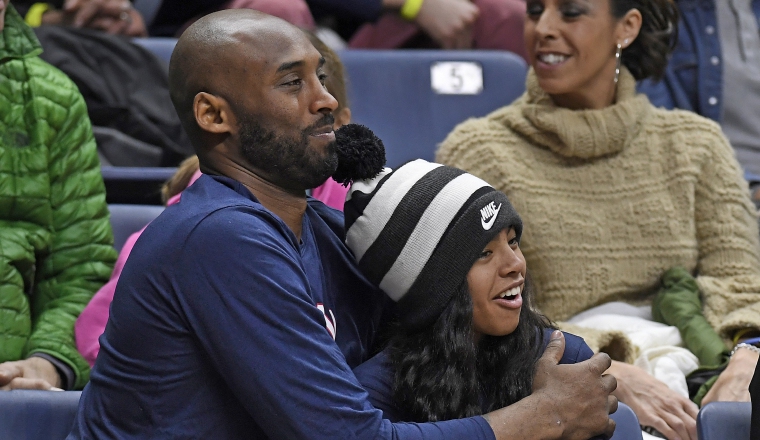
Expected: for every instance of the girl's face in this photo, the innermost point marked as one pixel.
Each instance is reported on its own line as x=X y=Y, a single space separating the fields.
x=496 y=282
x=571 y=46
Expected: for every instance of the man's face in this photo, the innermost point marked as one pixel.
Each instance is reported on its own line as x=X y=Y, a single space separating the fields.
x=284 y=115
x=288 y=157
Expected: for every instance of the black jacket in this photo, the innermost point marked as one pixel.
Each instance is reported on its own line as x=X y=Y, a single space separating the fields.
x=127 y=94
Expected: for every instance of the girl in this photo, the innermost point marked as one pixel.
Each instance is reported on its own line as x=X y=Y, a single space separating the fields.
x=445 y=246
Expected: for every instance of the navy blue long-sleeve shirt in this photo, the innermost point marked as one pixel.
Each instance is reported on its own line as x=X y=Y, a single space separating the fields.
x=222 y=327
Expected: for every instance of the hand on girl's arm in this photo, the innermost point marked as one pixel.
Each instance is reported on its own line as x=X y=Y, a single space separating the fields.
x=571 y=401
x=654 y=403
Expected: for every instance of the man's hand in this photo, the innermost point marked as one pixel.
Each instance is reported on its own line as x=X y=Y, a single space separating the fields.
x=448 y=22
x=580 y=393
x=34 y=373
x=733 y=383
x=570 y=402
x=654 y=403
x=111 y=16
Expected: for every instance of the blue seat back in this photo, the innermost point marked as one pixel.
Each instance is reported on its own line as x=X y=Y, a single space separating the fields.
x=162 y=47
x=724 y=420
x=37 y=415
x=391 y=93
x=128 y=219
x=627 y=424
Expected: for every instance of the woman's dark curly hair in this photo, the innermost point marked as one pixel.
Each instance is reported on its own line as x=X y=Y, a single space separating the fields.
x=647 y=56
x=441 y=374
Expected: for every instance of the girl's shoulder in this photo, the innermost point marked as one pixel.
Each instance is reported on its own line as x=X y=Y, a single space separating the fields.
x=376 y=376
x=576 y=349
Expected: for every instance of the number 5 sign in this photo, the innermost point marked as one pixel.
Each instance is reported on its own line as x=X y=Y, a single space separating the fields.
x=456 y=78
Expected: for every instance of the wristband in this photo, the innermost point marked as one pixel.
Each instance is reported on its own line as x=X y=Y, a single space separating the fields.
x=743 y=345
x=411 y=9
x=752 y=341
x=34 y=15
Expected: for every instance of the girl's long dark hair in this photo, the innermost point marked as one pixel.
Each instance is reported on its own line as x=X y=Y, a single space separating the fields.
x=440 y=373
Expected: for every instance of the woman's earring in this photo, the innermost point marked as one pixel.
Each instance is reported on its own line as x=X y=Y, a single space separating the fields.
x=618 y=54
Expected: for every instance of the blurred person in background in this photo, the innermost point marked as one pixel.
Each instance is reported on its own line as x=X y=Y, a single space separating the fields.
x=56 y=245
x=160 y=18
x=715 y=72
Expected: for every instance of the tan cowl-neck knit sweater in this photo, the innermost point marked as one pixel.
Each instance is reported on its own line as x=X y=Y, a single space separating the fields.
x=613 y=198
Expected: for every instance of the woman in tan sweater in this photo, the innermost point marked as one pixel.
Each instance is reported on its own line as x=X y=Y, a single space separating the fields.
x=614 y=192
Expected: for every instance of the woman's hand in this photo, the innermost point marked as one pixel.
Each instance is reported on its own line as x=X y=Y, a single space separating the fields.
x=111 y=16
x=654 y=403
x=448 y=22
x=733 y=383
x=34 y=373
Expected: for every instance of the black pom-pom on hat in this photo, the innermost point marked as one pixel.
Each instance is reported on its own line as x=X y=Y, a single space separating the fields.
x=361 y=154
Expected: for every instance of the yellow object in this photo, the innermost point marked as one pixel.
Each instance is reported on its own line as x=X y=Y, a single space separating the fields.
x=34 y=16
x=741 y=333
x=410 y=9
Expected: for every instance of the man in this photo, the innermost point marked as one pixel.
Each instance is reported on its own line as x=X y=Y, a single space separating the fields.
x=56 y=246
x=239 y=305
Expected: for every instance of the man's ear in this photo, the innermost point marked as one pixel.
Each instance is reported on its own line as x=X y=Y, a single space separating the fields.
x=212 y=113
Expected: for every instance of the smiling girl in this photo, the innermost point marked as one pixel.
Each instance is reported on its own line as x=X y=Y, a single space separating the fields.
x=445 y=246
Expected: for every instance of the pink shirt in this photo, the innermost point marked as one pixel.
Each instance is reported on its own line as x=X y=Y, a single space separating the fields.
x=331 y=193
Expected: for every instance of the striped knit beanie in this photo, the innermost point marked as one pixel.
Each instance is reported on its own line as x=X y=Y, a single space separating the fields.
x=416 y=232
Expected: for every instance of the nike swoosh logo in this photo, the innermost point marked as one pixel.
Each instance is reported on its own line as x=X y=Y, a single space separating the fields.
x=489 y=224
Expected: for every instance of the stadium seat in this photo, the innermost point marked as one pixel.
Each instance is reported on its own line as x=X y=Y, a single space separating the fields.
x=724 y=420
x=37 y=415
x=160 y=46
x=135 y=185
x=392 y=93
x=627 y=424
x=128 y=219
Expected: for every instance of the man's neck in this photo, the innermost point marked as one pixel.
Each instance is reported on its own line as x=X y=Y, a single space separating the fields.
x=289 y=206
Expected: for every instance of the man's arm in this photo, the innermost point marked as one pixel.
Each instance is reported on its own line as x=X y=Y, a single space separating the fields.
x=248 y=300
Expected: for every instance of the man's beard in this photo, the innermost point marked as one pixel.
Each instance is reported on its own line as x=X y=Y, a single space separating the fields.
x=289 y=163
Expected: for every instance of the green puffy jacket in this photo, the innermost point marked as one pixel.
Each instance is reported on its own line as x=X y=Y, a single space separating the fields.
x=55 y=238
